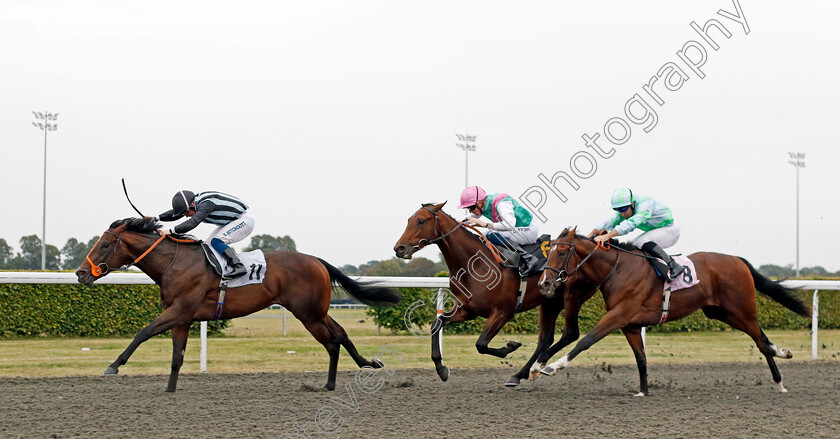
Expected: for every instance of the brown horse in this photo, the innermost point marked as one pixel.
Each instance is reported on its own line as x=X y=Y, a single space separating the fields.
x=189 y=290
x=482 y=287
x=633 y=297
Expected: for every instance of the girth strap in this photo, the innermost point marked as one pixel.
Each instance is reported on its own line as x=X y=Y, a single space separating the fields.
x=220 y=301
x=666 y=306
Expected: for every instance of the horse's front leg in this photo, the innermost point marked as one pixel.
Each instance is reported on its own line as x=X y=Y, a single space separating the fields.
x=548 y=320
x=571 y=332
x=460 y=315
x=168 y=319
x=179 y=345
x=611 y=321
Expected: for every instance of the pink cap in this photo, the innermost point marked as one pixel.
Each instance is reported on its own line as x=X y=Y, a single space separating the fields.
x=471 y=196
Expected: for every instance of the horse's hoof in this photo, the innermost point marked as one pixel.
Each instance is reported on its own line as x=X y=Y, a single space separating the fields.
x=512 y=381
x=781 y=387
x=785 y=353
x=640 y=394
x=170 y=390
x=513 y=345
x=330 y=386
x=443 y=373
x=376 y=363
x=548 y=371
x=534 y=373
x=110 y=371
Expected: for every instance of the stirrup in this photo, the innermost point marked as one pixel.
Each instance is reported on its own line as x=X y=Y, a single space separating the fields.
x=675 y=272
x=238 y=270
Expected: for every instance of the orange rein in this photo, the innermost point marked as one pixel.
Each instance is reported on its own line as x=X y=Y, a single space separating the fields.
x=493 y=250
x=96 y=271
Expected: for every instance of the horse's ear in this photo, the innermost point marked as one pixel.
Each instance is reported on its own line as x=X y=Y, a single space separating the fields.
x=438 y=207
x=573 y=231
x=563 y=233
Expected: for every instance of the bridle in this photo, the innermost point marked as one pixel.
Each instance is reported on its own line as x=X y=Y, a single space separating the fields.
x=101 y=269
x=563 y=273
x=431 y=240
x=439 y=238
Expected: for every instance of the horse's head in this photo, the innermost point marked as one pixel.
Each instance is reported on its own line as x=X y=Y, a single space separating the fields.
x=423 y=228
x=565 y=264
x=555 y=273
x=110 y=251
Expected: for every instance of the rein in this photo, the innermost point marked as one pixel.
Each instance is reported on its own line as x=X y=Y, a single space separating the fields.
x=563 y=273
x=101 y=269
x=493 y=250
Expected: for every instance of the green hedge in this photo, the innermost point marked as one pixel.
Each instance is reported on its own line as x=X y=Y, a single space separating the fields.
x=771 y=315
x=73 y=310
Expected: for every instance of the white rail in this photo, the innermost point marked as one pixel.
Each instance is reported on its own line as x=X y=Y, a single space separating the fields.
x=12 y=277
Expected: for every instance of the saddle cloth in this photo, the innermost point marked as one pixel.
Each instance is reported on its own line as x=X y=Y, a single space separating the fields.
x=254 y=262
x=687 y=279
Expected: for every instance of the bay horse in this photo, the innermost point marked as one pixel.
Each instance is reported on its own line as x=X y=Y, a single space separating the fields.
x=633 y=297
x=482 y=287
x=189 y=290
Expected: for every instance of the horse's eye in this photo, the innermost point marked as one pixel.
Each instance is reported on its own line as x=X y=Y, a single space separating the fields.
x=421 y=221
x=105 y=245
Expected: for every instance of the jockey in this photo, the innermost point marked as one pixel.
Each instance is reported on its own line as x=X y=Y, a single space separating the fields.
x=227 y=212
x=510 y=221
x=647 y=214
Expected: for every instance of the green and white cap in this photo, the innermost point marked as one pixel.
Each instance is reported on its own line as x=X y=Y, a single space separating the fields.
x=622 y=197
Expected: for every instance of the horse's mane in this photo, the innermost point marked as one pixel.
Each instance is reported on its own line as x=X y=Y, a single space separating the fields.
x=138 y=225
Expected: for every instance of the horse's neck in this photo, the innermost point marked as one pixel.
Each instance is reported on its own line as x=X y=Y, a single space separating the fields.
x=159 y=259
x=459 y=247
x=601 y=267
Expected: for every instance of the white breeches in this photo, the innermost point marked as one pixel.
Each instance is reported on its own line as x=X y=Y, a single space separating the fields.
x=234 y=231
x=664 y=236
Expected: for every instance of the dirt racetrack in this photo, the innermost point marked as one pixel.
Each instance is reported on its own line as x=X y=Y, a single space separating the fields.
x=729 y=400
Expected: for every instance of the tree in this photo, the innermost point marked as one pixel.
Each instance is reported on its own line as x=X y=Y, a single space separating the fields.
x=270 y=243
x=29 y=257
x=391 y=267
x=6 y=254
x=776 y=271
x=73 y=253
x=350 y=270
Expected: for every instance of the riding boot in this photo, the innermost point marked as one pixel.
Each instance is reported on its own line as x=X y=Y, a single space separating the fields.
x=654 y=249
x=235 y=264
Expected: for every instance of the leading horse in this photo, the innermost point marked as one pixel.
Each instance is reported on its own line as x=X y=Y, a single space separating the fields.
x=633 y=297
x=482 y=287
x=189 y=290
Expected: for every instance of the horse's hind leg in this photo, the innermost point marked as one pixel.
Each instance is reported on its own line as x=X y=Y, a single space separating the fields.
x=769 y=350
x=321 y=332
x=633 y=335
x=491 y=328
x=179 y=345
x=341 y=334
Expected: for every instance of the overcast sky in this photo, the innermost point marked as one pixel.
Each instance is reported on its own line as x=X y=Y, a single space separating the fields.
x=335 y=120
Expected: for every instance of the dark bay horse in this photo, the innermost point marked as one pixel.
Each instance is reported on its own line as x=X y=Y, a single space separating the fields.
x=189 y=290
x=633 y=297
x=482 y=287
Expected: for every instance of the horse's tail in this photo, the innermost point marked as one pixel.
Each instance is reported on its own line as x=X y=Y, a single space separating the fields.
x=777 y=292
x=367 y=292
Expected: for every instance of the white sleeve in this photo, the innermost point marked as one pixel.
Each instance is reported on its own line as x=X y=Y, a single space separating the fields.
x=508 y=218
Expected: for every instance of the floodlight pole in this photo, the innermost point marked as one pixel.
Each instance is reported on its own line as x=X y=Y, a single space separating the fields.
x=45 y=127
x=798 y=161
x=467 y=146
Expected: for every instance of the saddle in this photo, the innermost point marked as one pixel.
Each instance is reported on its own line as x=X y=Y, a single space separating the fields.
x=528 y=259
